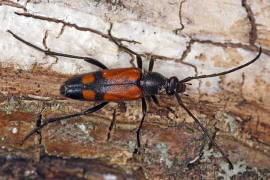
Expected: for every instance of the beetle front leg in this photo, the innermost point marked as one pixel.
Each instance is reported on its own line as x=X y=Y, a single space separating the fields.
x=151 y=65
x=138 y=57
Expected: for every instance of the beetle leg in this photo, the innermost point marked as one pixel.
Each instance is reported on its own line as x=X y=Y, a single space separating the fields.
x=51 y=53
x=139 y=61
x=144 y=109
x=138 y=57
x=93 y=61
x=89 y=111
x=155 y=99
x=180 y=102
x=111 y=126
x=38 y=123
x=118 y=44
x=151 y=64
x=197 y=159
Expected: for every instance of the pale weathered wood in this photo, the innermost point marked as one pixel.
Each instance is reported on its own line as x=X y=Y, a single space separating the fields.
x=187 y=38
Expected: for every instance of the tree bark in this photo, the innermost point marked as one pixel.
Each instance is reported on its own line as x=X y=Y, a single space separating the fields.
x=186 y=38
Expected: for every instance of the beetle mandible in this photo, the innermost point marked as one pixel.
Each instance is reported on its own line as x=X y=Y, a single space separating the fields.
x=125 y=84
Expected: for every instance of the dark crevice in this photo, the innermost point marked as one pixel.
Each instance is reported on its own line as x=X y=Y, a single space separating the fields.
x=228 y=44
x=233 y=45
x=12 y=4
x=61 y=31
x=187 y=51
x=250 y=16
x=44 y=42
x=72 y=25
x=44 y=39
x=180 y=18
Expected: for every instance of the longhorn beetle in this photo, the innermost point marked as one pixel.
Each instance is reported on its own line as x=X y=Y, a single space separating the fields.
x=125 y=84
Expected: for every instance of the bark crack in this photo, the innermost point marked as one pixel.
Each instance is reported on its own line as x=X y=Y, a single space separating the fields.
x=72 y=25
x=180 y=18
x=12 y=4
x=252 y=20
x=228 y=44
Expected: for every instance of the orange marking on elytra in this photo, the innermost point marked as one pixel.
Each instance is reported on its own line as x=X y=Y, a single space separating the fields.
x=88 y=78
x=90 y=95
x=122 y=75
x=123 y=92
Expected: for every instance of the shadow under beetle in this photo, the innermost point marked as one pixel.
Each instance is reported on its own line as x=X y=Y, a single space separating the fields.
x=125 y=84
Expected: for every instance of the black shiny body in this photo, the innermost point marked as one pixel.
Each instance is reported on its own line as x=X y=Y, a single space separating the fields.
x=153 y=83
x=135 y=86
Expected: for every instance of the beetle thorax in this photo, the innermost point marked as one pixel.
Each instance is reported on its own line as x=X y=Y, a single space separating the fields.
x=153 y=83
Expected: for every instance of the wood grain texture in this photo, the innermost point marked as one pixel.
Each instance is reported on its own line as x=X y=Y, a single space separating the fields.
x=186 y=38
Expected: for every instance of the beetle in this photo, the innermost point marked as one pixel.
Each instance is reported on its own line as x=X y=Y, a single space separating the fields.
x=125 y=84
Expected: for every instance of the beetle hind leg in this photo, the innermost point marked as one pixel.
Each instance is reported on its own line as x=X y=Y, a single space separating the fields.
x=144 y=109
x=111 y=126
x=40 y=126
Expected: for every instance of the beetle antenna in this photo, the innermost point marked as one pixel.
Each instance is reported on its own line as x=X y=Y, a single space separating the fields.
x=225 y=72
x=180 y=102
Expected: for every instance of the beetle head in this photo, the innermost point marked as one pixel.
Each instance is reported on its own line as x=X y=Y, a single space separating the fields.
x=174 y=86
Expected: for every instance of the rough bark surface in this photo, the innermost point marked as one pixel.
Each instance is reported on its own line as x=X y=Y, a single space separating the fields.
x=186 y=38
